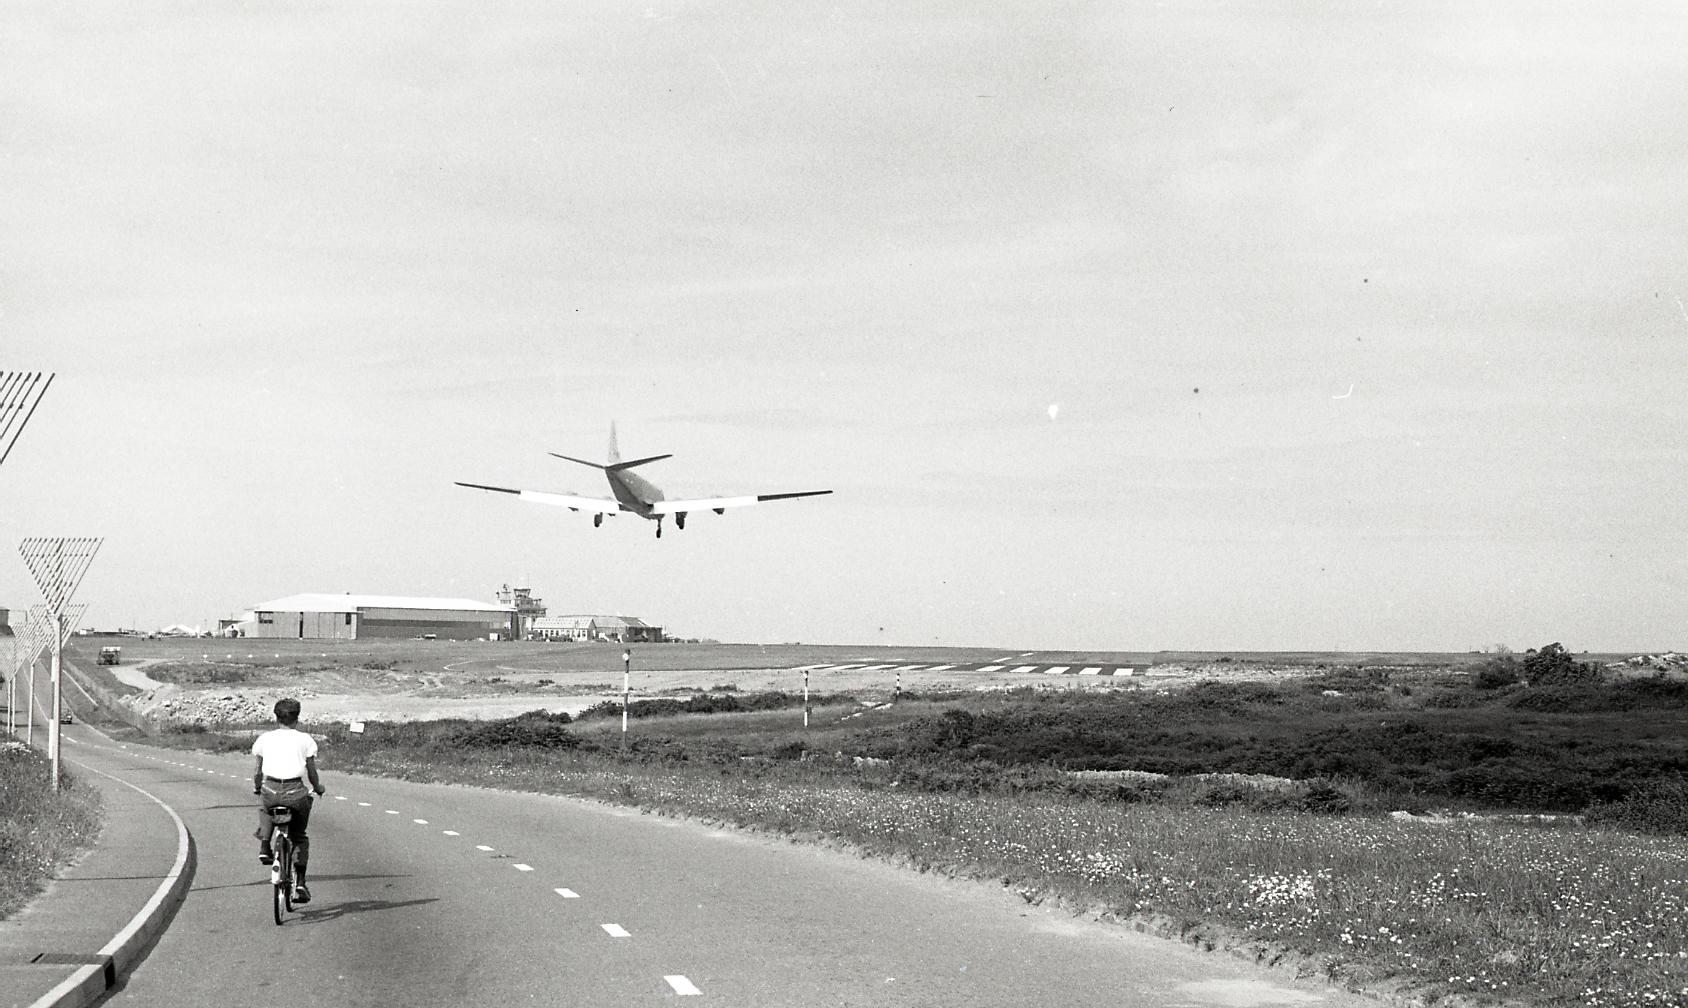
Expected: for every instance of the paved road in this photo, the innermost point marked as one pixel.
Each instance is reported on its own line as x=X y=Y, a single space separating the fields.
x=438 y=895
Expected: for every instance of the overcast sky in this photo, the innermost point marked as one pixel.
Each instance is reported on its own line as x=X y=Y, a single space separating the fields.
x=1113 y=326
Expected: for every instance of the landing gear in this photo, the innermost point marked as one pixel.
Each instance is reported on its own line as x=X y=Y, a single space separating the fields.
x=598 y=520
x=680 y=519
x=659 y=526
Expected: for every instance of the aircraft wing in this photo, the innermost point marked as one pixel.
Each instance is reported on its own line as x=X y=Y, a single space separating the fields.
x=720 y=504
x=599 y=505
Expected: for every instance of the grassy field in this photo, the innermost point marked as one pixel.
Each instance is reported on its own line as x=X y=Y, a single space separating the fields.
x=1488 y=910
x=40 y=830
x=1165 y=802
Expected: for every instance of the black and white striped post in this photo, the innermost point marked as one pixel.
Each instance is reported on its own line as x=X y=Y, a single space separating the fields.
x=626 y=690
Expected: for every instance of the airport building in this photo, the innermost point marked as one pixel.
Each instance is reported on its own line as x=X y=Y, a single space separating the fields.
x=621 y=629
x=360 y=617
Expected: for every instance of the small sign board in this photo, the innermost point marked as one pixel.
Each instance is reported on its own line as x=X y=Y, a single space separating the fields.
x=356 y=727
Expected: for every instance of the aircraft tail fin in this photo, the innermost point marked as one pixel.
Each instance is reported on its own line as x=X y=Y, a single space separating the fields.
x=615 y=464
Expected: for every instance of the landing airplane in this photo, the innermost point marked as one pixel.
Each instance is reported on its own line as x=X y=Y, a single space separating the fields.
x=636 y=495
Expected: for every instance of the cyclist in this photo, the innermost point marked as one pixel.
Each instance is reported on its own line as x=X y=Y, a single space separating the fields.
x=286 y=758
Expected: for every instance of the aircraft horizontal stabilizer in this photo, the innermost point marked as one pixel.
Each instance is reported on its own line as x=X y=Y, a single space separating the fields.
x=619 y=466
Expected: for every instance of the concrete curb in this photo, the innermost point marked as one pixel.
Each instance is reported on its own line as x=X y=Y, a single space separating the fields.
x=129 y=946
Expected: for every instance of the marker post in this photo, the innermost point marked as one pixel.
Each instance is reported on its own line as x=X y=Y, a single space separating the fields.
x=626 y=689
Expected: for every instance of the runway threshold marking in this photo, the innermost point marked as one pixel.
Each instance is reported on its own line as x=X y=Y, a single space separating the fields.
x=681 y=985
x=615 y=931
x=991 y=668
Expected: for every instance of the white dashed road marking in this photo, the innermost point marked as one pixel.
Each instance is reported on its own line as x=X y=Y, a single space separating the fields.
x=616 y=931
x=566 y=893
x=451 y=832
x=482 y=847
x=420 y=822
x=522 y=867
x=364 y=804
x=681 y=985
x=392 y=811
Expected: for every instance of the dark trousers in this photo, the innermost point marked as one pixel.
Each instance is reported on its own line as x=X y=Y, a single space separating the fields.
x=296 y=796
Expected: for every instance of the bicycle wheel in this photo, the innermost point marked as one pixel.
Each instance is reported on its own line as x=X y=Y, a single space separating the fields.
x=282 y=849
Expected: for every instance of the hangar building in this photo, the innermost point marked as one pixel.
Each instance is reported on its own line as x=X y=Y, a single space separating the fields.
x=359 y=617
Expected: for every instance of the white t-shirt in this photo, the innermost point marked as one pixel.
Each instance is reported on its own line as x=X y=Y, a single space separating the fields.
x=284 y=751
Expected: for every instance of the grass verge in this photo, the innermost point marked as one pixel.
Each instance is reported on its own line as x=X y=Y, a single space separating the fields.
x=40 y=830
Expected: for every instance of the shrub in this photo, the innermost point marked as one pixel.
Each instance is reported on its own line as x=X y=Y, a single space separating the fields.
x=545 y=731
x=1659 y=805
x=1501 y=670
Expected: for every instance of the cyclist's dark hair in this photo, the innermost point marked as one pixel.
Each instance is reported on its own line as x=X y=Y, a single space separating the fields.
x=287 y=710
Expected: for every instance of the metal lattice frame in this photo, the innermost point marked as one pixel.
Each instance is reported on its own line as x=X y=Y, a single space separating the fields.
x=36 y=640
x=57 y=564
x=20 y=393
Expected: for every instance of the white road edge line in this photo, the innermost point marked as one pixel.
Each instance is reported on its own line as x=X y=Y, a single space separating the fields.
x=183 y=845
x=681 y=985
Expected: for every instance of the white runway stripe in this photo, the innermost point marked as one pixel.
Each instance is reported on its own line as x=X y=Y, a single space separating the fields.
x=566 y=893
x=482 y=847
x=940 y=668
x=1057 y=669
x=1024 y=668
x=616 y=931
x=1090 y=670
x=522 y=867
x=681 y=985
x=991 y=668
x=451 y=832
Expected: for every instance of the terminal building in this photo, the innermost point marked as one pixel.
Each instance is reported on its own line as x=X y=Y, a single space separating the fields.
x=360 y=617
x=621 y=629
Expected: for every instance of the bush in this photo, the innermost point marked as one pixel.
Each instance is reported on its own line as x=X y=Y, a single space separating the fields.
x=1501 y=670
x=1659 y=805
x=534 y=730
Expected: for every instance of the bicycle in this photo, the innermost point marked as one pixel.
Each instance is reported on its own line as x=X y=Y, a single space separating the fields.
x=281 y=865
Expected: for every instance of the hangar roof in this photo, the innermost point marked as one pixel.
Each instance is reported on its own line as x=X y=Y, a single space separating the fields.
x=348 y=602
